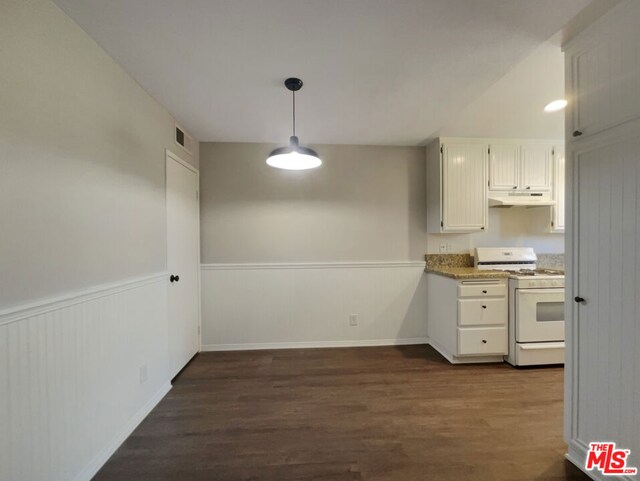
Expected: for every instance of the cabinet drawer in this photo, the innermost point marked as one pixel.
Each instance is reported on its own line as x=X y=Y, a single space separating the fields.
x=479 y=312
x=485 y=340
x=482 y=290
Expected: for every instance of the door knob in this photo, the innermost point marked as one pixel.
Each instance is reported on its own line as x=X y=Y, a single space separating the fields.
x=580 y=299
x=174 y=278
x=577 y=133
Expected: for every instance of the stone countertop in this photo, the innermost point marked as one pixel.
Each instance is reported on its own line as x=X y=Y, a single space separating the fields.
x=466 y=272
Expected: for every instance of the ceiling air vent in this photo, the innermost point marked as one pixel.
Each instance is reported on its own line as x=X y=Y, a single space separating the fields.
x=184 y=140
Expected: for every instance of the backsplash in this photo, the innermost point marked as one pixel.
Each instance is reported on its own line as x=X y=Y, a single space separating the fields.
x=551 y=261
x=449 y=260
x=545 y=261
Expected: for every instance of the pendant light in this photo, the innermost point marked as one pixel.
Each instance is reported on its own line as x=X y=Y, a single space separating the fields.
x=294 y=156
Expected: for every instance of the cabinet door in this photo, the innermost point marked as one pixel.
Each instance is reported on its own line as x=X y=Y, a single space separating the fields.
x=606 y=77
x=557 y=211
x=503 y=167
x=535 y=168
x=464 y=187
x=604 y=333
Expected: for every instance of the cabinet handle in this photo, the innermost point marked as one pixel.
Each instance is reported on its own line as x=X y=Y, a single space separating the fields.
x=484 y=341
x=481 y=228
x=528 y=187
x=514 y=187
x=577 y=133
x=174 y=278
x=580 y=300
x=484 y=307
x=484 y=292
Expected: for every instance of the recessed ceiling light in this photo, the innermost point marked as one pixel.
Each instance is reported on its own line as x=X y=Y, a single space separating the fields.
x=555 y=105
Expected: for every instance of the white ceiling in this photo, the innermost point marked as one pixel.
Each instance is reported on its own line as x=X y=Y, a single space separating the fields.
x=375 y=71
x=513 y=107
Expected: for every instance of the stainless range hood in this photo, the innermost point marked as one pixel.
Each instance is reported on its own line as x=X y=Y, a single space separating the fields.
x=521 y=200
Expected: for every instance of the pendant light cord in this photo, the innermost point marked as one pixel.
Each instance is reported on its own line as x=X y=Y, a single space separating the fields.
x=294 y=113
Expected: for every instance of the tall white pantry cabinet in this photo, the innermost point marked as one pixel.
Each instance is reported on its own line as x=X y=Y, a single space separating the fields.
x=602 y=378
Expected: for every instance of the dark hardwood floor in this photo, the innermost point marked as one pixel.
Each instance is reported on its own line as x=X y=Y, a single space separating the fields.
x=380 y=413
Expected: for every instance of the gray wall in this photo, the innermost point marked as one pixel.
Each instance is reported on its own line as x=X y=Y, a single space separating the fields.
x=82 y=156
x=366 y=203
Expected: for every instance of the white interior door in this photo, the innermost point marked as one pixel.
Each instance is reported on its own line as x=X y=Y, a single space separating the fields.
x=183 y=262
x=607 y=309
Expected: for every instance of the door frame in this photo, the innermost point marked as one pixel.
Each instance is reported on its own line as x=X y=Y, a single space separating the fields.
x=170 y=155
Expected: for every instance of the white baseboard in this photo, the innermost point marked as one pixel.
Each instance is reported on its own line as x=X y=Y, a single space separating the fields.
x=103 y=456
x=313 y=344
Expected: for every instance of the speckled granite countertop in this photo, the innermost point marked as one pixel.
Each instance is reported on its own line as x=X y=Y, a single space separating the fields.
x=460 y=266
x=465 y=272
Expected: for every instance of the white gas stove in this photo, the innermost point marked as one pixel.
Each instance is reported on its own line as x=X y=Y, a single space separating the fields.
x=536 y=305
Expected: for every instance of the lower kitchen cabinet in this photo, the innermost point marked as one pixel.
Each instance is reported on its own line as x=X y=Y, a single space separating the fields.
x=467 y=319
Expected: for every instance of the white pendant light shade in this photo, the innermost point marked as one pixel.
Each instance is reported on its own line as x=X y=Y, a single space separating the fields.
x=294 y=156
x=294 y=161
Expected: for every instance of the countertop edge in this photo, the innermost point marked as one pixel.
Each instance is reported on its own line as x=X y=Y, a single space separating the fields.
x=474 y=274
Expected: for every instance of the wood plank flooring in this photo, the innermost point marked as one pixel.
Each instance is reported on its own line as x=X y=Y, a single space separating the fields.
x=380 y=413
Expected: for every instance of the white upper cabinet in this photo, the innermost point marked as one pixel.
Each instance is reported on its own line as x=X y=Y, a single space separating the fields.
x=557 y=211
x=503 y=167
x=464 y=187
x=514 y=166
x=456 y=187
x=535 y=168
x=605 y=77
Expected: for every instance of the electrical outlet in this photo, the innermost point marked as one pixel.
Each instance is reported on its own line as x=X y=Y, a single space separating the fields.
x=144 y=375
x=443 y=248
x=353 y=319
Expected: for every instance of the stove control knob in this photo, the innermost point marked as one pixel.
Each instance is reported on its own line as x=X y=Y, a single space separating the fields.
x=533 y=283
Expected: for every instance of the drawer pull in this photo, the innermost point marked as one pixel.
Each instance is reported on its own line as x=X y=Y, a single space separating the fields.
x=484 y=292
x=484 y=341
x=484 y=307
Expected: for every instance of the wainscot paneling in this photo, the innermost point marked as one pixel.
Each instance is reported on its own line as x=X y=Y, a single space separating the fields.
x=273 y=306
x=77 y=375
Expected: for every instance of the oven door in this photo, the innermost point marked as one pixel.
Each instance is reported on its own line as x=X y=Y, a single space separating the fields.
x=539 y=315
